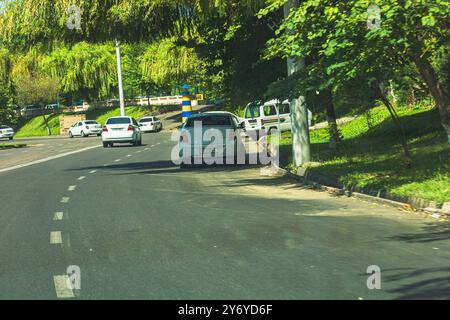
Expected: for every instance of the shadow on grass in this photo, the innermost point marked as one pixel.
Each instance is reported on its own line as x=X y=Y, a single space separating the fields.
x=375 y=159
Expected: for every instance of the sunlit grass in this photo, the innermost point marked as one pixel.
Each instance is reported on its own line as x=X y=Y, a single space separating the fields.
x=372 y=156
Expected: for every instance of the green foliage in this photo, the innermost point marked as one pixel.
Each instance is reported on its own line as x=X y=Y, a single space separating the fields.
x=370 y=157
x=341 y=50
x=166 y=64
x=84 y=69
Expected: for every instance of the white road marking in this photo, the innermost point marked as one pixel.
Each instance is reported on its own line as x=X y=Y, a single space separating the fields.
x=146 y=149
x=118 y=160
x=129 y=155
x=65 y=200
x=63 y=287
x=138 y=151
x=47 y=159
x=58 y=216
x=72 y=188
x=55 y=237
x=81 y=178
x=93 y=171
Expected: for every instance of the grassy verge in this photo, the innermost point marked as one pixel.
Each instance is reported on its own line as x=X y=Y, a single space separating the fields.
x=372 y=157
x=36 y=127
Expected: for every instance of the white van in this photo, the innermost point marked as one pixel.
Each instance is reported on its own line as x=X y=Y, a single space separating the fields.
x=267 y=116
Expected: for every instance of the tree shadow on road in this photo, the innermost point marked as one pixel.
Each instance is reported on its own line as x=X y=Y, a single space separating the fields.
x=426 y=283
x=167 y=166
x=436 y=231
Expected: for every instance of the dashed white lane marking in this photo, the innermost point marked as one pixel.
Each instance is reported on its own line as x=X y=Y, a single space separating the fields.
x=93 y=171
x=118 y=160
x=47 y=159
x=129 y=155
x=81 y=178
x=146 y=149
x=58 y=216
x=138 y=151
x=63 y=287
x=72 y=188
x=65 y=200
x=55 y=237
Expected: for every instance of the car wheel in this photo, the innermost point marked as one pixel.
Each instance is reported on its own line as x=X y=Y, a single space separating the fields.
x=99 y=135
x=105 y=144
x=70 y=135
x=83 y=134
x=10 y=138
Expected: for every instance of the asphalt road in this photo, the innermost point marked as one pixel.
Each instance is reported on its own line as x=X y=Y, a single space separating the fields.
x=139 y=227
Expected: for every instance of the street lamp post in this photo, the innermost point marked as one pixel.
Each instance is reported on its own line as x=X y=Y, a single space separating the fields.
x=119 y=77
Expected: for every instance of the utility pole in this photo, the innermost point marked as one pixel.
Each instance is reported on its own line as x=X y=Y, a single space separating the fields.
x=299 y=112
x=119 y=77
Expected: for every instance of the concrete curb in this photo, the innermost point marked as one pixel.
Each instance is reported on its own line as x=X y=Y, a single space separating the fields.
x=311 y=179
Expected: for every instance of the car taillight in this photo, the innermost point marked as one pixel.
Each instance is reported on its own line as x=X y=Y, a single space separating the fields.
x=130 y=128
x=105 y=129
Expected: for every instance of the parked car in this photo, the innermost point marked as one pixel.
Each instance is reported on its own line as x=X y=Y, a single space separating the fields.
x=6 y=132
x=85 y=129
x=225 y=122
x=121 y=130
x=150 y=124
x=236 y=118
x=269 y=115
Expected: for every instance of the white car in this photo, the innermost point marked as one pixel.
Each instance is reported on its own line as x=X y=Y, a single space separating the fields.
x=121 y=130
x=85 y=129
x=269 y=115
x=150 y=124
x=6 y=132
x=195 y=143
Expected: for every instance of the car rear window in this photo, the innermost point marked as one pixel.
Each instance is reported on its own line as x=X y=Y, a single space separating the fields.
x=252 y=112
x=119 y=121
x=210 y=120
x=91 y=122
x=146 y=120
x=4 y=127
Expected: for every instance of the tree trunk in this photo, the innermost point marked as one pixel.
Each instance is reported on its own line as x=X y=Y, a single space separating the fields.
x=49 y=131
x=396 y=119
x=335 y=136
x=436 y=88
x=301 y=149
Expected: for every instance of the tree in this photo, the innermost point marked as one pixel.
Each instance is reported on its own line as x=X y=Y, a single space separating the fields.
x=84 y=70
x=36 y=89
x=167 y=64
x=411 y=32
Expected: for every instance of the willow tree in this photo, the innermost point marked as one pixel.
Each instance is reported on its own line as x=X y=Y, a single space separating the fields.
x=166 y=64
x=27 y=22
x=84 y=69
